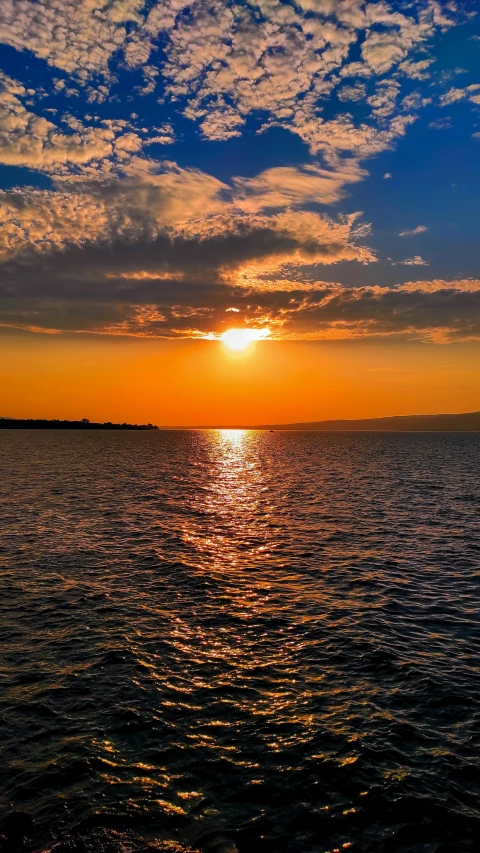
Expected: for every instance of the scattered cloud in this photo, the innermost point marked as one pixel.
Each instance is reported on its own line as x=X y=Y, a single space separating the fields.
x=165 y=135
x=223 y=61
x=383 y=102
x=453 y=96
x=76 y=36
x=161 y=201
x=440 y=124
x=416 y=70
x=468 y=285
x=293 y=187
x=125 y=244
x=27 y=139
x=352 y=93
x=420 y=229
x=416 y=261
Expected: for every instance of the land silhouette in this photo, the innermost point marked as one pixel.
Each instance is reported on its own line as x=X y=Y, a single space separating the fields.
x=41 y=423
x=466 y=422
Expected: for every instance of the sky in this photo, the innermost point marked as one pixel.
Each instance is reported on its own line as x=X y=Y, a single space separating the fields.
x=306 y=170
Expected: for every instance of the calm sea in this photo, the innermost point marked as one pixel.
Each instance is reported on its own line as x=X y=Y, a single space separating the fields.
x=267 y=640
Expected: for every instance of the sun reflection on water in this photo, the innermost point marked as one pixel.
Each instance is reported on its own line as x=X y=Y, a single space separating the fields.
x=225 y=527
x=247 y=614
x=233 y=436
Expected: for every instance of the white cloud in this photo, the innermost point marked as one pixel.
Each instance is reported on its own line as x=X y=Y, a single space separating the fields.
x=416 y=261
x=228 y=62
x=440 y=124
x=383 y=101
x=77 y=36
x=27 y=139
x=292 y=187
x=420 y=229
x=223 y=61
x=453 y=96
x=152 y=199
x=416 y=70
x=414 y=101
x=76 y=150
x=466 y=285
x=352 y=93
x=170 y=239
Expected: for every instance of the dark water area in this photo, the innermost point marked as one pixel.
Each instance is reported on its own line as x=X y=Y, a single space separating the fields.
x=262 y=640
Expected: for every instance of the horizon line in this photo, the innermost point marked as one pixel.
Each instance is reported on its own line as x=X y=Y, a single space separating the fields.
x=335 y=424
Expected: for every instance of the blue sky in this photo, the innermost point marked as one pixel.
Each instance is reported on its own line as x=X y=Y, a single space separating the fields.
x=310 y=167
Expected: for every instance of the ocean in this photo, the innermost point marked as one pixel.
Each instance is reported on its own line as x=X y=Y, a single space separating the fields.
x=267 y=642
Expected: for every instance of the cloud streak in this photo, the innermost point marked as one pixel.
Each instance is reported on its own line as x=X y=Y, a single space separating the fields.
x=167 y=308
x=412 y=232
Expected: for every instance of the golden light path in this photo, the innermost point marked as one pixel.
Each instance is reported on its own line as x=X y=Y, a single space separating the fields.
x=240 y=338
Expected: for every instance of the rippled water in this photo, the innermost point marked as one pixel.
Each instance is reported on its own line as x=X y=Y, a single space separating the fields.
x=267 y=637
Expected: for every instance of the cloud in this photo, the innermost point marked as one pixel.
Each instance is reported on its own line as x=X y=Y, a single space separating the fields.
x=181 y=309
x=352 y=93
x=383 y=101
x=420 y=229
x=466 y=285
x=223 y=62
x=228 y=60
x=287 y=186
x=440 y=124
x=453 y=96
x=416 y=261
x=125 y=244
x=76 y=36
x=158 y=207
x=414 y=101
x=416 y=70
x=149 y=198
x=169 y=252
x=27 y=139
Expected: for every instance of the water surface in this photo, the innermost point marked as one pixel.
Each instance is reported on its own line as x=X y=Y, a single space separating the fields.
x=268 y=636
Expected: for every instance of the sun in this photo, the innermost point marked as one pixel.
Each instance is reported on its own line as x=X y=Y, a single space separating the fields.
x=240 y=338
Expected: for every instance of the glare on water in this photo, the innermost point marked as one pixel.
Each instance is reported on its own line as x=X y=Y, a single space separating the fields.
x=275 y=633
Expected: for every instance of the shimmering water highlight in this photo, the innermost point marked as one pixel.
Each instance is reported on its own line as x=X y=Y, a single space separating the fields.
x=266 y=638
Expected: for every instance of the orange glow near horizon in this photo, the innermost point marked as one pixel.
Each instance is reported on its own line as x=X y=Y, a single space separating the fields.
x=203 y=383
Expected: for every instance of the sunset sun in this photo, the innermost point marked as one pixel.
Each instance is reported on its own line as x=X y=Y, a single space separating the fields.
x=238 y=339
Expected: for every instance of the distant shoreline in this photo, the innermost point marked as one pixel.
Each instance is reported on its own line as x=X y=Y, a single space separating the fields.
x=39 y=423
x=466 y=422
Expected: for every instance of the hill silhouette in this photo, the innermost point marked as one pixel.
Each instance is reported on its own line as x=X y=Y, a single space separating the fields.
x=466 y=422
